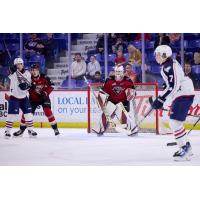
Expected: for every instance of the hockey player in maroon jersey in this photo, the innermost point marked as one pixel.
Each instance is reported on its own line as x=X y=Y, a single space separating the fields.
x=39 y=95
x=114 y=100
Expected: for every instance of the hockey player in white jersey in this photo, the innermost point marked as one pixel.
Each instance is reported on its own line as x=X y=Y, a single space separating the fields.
x=20 y=81
x=180 y=90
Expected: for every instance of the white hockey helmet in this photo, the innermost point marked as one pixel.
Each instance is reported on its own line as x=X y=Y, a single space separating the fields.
x=119 y=72
x=164 y=50
x=18 y=61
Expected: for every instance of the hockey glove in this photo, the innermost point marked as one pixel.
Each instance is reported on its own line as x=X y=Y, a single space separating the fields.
x=13 y=69
x=33 y=86
x=158 y=103
x=23 y=86
x=44 y=95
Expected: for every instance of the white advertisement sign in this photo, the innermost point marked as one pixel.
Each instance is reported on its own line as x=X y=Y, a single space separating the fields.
x=71 y=106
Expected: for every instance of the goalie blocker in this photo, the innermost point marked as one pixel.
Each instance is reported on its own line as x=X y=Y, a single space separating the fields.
x=114 y=101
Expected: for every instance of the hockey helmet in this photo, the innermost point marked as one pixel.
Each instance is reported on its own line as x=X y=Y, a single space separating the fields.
x=18 y=61
x=164 y=50
x=35 y=66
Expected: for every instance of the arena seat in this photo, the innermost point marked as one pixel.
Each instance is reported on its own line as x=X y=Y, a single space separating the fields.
x=111 y=57
x=149 y=45
x=13 y=47
x=194 y=44
x=155 y=69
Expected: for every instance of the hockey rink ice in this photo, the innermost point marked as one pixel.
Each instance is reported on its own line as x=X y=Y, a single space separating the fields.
x=77 y=147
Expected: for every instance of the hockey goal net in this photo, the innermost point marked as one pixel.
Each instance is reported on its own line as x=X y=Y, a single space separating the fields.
x=144 y=91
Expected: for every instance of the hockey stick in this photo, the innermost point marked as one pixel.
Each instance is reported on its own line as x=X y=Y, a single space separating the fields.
x=21 y=78
x=138 y=124
x=164 y=109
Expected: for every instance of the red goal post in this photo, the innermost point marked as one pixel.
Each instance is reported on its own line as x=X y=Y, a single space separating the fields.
x=144 y=91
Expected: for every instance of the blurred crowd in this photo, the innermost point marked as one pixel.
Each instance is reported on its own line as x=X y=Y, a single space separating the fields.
x=123 y=49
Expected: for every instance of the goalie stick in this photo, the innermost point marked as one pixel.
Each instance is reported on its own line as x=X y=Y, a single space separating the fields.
x=140 y=121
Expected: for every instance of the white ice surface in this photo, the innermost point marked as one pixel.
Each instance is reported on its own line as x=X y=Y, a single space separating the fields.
x=76 y=147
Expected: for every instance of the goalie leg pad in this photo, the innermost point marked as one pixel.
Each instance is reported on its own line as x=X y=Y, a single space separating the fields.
x=101 y=125
x=126 y=118
x=102 y=98
x=110 y=109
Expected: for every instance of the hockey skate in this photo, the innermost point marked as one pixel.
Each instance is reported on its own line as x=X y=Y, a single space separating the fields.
x=18 y=133
x=32 y=134
x=56 y=131
x=99 y=134
x=7 y=135
x=134 y=132
x=184 y=153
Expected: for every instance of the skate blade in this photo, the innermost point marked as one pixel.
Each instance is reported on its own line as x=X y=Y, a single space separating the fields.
x=32 y=136
x=182 y=159
x=7 y=137
x=19 y=136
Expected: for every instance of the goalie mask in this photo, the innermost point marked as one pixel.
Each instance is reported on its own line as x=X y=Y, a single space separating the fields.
x=119 y=73
x=162 y=52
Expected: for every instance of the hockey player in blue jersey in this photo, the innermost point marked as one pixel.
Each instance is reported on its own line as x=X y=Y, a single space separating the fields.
x=180 y=90
x=19 y=85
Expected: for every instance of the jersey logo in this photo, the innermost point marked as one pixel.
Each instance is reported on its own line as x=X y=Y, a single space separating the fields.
x=167 y=69
x=117 y=89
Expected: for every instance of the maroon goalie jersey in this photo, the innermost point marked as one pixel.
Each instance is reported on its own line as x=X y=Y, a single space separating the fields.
x=116 y=89
x=40 y=86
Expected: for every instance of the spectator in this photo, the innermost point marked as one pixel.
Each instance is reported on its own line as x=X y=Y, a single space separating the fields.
x=131 y=74
x=161 y=39
x=78 y=68
x=192 y=75
x=135 y=56
x=174 y=37
x=197 y=57
x=92 y=67
x=100 y=44
x=119 y=45
x=49 y=49
x=97 y=77
x=2 y=87
x=3 y=58
x=147 y=36
x=120 y=59
x=34 y=45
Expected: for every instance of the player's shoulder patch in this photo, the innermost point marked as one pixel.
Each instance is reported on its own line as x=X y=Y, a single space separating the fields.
x=168 y=65
x=167 y=68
